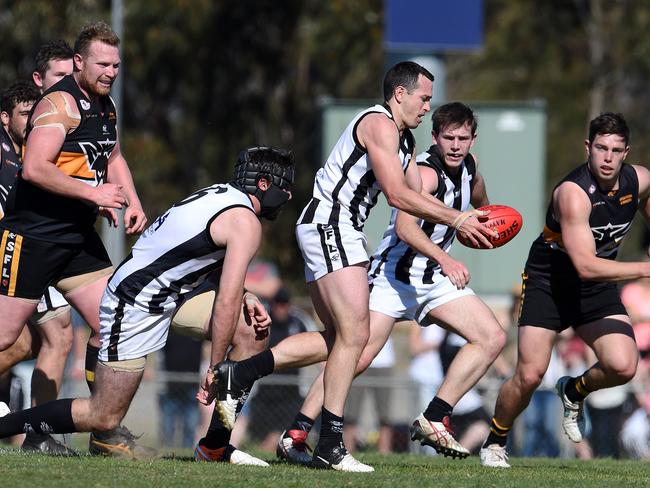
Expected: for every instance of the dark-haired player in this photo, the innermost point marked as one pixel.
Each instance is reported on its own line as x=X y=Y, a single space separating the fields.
x=374 y=154
x=570 y=281
x=53 y=61
x=215 y=232
x=16 y=101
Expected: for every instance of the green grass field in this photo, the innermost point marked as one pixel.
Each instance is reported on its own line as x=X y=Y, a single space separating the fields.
x=30 y=470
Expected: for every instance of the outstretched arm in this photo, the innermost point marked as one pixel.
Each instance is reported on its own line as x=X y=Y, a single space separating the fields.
x=240 y=231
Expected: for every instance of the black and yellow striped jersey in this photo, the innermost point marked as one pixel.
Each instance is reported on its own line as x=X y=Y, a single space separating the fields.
x=84 y=155
x=610 y=220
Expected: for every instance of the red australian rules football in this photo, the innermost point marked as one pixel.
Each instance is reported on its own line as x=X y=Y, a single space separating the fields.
x=502 y=218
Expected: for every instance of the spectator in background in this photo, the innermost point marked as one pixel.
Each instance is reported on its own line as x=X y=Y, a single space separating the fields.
x=470 y=420
x=541 y=417
x=606 y=411
x=573 y=353
x=380 y=397
x=635 y=433
x=273 y=405
x=434 y=348
x=178 y=405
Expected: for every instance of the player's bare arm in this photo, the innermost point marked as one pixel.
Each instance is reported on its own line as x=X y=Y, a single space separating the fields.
x=408 y=229
x=240 y=231
x=55 y=116
x=120 y=174
x=572 y=206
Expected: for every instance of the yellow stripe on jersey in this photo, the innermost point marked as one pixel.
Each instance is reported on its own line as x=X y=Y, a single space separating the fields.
x=14 y=266
x=75 y=165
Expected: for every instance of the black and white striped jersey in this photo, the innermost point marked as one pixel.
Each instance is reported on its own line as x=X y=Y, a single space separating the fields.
x=176 y=252
x=394 y=258
x=345 y=189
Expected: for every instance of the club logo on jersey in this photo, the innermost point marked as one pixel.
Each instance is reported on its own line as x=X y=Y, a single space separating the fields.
x=592 y=189
x=96 y=157
x=5 y=147
x=625 y=199
x=84 y=104
x=615 y=232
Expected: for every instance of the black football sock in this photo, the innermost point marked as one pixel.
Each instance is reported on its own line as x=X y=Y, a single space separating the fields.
x=92 y=354
x=575 y=389
x=217 y=435
x=498 y=434
x=331 y=430
x=50 y=418
x=251 y=369
x=301 y=422
x=437 y=410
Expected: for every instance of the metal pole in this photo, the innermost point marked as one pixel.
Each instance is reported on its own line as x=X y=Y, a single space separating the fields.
x=114 y=239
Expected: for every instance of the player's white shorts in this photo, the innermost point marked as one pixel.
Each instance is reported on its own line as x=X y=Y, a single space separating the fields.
x=126 y=332
x=326 y=248
x=401 y=301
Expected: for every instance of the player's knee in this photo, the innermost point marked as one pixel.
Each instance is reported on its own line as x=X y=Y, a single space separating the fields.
x=61 y=342
x=496 y=342
x=6 y=341
x=67 y=339
x=622 y=369
x=358 y=339
x=529 y=378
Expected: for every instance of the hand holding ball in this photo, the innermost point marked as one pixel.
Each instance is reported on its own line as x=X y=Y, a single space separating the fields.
x=503 y=219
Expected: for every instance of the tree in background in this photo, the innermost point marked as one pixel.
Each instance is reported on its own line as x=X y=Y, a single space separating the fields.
x=204 y=79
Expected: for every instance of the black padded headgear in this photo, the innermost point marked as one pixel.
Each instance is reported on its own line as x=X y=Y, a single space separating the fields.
x=248 y=173
x=249 y=170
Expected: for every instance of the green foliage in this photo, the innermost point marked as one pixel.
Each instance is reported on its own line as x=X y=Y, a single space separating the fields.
x=401 y=470
x=582 y=57
x=204 y=79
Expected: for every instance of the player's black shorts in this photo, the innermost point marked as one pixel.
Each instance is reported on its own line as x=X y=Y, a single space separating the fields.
x=30 y=265
x=564 y=303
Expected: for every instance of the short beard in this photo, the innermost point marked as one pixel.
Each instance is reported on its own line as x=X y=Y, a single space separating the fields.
x=92 y=88
x=17 y=138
